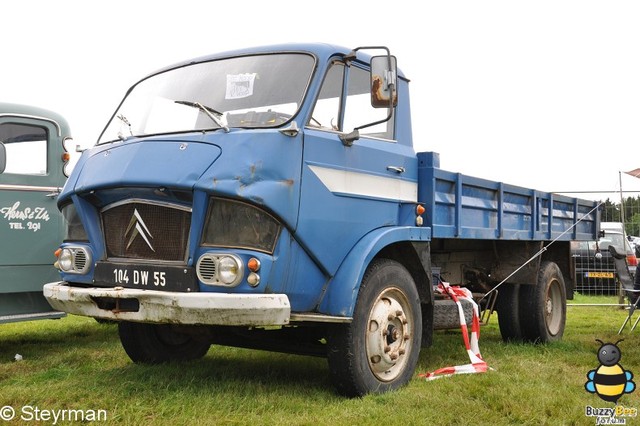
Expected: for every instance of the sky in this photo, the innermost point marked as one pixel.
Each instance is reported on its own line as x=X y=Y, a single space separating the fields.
x=541 y=94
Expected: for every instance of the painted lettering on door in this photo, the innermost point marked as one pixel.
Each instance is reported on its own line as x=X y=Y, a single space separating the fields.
x=26 y=218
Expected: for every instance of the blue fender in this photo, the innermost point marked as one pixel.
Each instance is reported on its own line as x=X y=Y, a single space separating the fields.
x=342 y=291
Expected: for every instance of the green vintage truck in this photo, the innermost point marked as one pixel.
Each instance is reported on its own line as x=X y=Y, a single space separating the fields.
x=34 y=163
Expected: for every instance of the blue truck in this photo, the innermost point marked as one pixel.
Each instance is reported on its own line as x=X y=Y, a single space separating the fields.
x=271 y=198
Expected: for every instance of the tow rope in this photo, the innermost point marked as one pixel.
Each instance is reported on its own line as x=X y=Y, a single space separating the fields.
x=477 y=365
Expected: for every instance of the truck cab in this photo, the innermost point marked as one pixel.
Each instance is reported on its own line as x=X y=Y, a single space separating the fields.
x=33 y=167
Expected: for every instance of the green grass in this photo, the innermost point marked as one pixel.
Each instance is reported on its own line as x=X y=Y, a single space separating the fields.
x=76 y=363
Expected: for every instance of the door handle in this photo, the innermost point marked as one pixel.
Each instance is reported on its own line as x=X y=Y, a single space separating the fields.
x=55 y=193
x=396 y=169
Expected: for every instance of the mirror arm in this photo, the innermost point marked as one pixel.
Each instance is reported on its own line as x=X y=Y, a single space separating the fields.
x=348 y=138
x=351 y=55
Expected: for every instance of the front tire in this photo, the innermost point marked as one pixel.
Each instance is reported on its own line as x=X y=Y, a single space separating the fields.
x=543 y=306
x=159 y=343
x=378 y=351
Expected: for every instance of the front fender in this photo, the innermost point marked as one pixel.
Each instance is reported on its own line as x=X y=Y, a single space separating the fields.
x=342 y=291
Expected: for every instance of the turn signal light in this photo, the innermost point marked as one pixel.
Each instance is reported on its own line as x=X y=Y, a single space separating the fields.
x=253 y=264
x=253 y=279
x=419 y=211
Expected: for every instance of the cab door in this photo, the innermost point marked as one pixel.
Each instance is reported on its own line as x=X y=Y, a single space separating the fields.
x=348 y=190
x=30 y=223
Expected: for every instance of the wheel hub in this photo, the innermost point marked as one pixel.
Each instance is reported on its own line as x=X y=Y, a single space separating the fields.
x=392 y=334
x=553 y=309
x=388 y=336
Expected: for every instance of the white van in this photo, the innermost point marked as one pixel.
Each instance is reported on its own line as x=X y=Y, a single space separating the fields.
x=618 y=227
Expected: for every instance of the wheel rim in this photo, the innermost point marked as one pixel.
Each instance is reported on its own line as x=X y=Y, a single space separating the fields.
x=389 y=334
x=553 y=308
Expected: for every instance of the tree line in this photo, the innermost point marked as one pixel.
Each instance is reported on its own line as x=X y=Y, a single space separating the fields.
x=613 y=212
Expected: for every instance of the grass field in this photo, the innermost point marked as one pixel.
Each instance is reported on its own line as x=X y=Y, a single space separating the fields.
x=77 y=364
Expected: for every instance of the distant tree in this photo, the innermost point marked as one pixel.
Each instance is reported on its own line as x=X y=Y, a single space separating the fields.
x=633 y=225
x=611 y=212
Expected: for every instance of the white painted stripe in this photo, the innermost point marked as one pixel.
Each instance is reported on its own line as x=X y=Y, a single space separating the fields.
x=366 y=185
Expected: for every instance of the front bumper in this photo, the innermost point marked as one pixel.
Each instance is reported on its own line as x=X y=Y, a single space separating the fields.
x=126 y=304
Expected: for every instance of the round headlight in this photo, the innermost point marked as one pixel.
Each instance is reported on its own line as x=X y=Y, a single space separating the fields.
x=228 y=270
x=65 y=260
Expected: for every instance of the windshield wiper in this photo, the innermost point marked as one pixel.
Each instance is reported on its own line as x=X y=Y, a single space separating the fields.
x=209 y=111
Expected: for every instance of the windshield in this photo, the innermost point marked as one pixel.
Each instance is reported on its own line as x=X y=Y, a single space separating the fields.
x=247 y=91
x=616 y=240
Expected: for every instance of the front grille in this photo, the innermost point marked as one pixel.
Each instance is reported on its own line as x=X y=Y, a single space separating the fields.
x=80 y=260
x=207 y=269
x=145 y=231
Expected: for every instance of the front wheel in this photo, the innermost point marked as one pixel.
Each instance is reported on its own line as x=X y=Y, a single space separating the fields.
x=159 y=343
x=379 y=349
x=543 y=306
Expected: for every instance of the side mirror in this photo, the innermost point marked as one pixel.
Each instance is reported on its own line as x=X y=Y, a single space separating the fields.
x=383 y=81
x=3 y=157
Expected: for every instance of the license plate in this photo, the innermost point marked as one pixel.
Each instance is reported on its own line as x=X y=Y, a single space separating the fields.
x=598 y=274
x=145 y=277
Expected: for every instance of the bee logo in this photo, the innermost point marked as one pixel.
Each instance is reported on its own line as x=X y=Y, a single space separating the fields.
x=609 y=381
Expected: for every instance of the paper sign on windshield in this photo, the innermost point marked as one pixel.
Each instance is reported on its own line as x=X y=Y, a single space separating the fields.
x=240 y=85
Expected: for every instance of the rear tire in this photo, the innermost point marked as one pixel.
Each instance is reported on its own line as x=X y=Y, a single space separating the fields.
x=159 y=343
x=378 y=351
x=543 y=306
x=508 y=309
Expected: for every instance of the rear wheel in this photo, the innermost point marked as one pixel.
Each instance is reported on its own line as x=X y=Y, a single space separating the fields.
x=507 y=306
x=543 y=306
x=379 y=349
x=159 y=343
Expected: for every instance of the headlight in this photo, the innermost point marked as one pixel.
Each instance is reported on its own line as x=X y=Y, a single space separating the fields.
x=220 y=269
x=65 y=260
x=239 y=225
x=228 y=269
x=74 y=260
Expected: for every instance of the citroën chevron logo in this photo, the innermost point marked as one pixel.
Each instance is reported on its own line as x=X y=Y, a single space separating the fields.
x=138 y=227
